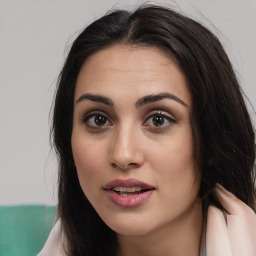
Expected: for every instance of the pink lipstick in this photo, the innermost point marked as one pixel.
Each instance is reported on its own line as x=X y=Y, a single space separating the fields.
x=128 y=193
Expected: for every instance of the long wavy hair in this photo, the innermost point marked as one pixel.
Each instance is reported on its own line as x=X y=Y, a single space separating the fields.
x=222 y=130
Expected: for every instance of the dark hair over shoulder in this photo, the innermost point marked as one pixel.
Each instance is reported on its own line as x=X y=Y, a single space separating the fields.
x=222 y=130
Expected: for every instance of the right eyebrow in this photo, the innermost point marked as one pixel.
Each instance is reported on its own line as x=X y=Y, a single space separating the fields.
x=96 y=98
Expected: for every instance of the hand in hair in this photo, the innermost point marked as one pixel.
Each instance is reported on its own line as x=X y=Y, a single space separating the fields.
x=232 y=233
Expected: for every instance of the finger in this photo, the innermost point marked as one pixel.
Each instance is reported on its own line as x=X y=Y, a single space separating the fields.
x=217 y=240
x=241 y=222
x=230 y=202
x=242 y=235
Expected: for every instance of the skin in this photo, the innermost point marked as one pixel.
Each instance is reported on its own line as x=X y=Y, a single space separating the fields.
x=233 y=232
x=130 y=145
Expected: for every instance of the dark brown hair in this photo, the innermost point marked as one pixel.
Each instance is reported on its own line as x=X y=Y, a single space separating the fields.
x=222 y=129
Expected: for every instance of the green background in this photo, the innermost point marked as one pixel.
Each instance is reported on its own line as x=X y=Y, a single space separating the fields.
x=24 y=229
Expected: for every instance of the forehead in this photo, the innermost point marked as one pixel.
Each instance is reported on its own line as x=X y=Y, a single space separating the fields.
x=131 y=70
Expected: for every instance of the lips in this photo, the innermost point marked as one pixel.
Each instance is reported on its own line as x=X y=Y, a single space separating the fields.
x=127 y=183
x=128 y=193
x=128 y=186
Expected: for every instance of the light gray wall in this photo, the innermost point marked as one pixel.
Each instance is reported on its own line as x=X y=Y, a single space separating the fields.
x=33 y=39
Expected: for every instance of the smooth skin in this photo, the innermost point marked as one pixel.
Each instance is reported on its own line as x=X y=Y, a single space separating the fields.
x=232 y=233
x=120 y=134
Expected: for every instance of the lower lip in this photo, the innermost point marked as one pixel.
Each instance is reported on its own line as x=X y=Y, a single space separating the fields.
x=129 y=201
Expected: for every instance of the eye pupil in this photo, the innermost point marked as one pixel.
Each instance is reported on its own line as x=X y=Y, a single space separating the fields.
x=100 y=120
x=158 y=120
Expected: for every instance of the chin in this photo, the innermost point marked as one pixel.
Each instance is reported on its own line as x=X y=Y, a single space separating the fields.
x=131 y=230
x=130 y=225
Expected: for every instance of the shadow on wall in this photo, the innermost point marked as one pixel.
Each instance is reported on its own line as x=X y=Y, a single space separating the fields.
x=24 y=229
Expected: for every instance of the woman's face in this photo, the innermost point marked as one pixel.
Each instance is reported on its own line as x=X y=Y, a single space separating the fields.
x=132 y=139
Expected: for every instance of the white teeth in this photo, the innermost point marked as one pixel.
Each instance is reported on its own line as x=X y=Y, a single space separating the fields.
x=120 y=189
x=124 y=189
x=131 y=189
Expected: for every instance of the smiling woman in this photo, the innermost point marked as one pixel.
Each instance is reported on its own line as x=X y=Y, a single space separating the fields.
x=148 y=121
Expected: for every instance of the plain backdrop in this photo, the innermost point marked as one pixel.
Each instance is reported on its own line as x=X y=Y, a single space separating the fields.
x=34 y=40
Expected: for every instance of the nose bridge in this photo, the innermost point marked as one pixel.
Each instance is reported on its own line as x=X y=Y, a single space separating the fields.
x=125 y=151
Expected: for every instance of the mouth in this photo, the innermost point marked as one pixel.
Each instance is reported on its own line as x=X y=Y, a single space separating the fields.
x=128 y=193
x=128 y=186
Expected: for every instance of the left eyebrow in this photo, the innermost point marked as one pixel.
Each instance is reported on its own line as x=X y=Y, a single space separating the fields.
x=157 y=97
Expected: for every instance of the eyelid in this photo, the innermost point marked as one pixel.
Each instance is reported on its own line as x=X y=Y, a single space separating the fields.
x=161 y=112
x=166 y=115
x=90 y=114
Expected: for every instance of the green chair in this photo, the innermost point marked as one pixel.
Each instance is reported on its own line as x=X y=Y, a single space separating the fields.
x=24 y=229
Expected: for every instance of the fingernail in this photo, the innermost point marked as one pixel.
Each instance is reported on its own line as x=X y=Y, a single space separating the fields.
x=219 y=187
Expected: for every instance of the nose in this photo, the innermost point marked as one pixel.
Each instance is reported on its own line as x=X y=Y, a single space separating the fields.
x=126 y=152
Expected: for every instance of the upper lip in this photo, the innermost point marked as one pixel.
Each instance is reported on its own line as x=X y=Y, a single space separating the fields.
x=127 y=183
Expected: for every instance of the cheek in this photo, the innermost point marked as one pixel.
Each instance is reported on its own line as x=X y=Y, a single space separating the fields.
x=89 y=161
x=176 y=169
x=175 y=156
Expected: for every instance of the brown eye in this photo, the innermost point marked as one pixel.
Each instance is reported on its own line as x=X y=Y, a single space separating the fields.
x=100 y=120
x=96 y=120
x=158 y=120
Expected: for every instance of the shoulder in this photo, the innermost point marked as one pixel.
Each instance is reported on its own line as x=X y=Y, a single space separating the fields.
x=54 y=245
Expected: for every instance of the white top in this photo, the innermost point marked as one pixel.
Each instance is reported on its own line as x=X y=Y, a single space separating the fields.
x=54 y=245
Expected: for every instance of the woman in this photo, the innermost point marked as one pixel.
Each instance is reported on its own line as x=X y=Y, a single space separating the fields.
x=148 y=121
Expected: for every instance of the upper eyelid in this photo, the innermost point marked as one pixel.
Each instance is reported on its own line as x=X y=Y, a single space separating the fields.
x=160 y=112
x=149 y=114
x=95 y=112
x=86 y=117
x=168 y=118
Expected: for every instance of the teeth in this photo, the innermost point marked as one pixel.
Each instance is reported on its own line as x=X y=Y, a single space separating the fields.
x=130 y=189
x=120 y=189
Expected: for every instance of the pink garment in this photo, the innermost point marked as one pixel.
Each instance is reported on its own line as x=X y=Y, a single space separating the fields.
x=227 y=234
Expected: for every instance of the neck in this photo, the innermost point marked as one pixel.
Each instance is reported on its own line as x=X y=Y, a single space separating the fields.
x=177 y=238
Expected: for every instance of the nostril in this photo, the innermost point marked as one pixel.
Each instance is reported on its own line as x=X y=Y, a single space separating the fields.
x=124 y=166
x=113 y=165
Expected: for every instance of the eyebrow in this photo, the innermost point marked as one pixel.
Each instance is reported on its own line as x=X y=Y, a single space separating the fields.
x=96 y=98
x=157 y=97
x=141 y=102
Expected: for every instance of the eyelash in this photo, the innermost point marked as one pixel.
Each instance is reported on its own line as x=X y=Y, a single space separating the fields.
x=166 y=116
x=162 y=114
x=86 y=118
